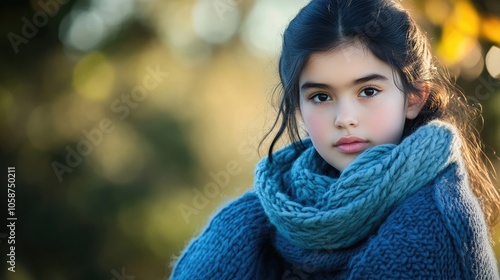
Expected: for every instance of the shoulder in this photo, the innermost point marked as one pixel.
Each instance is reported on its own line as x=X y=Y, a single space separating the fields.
x=449 y=198
x=234 y=235
x=465 y=222
x=234 y=217
x=412 y=240
x=439 y=231
x=456 y=203
x=244 y=206
x=458 y=207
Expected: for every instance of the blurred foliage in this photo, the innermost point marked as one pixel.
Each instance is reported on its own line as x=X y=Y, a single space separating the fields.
x=152 y=111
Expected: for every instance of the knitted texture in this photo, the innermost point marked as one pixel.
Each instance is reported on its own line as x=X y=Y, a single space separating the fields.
x=436 y=231
x=318 y=211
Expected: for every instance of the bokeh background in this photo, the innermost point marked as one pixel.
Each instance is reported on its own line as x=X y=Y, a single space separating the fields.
x=130 y=122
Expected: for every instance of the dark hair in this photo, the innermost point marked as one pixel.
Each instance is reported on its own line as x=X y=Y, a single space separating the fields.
x=388 y=31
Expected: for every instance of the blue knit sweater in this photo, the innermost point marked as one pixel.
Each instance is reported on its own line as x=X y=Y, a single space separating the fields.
x=436 y=232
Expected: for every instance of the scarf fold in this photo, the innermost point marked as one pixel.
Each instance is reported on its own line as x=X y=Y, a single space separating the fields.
x=312 y=209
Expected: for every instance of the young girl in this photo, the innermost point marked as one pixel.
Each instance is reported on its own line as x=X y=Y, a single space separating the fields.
x=389 y=183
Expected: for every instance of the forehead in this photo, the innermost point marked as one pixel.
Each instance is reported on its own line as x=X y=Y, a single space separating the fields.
x=343 y=65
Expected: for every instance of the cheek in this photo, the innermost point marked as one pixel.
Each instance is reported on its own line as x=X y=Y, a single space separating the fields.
x=380 y=120
x=315 y=123
x=386 y=124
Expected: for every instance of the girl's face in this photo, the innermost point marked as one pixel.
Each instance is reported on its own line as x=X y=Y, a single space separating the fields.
x=349 y=102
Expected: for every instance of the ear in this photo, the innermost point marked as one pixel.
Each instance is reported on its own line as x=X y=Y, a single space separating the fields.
x=416 y=101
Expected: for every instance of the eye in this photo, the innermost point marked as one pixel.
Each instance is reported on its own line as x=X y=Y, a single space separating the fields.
x=369 y=92
x=320 y=98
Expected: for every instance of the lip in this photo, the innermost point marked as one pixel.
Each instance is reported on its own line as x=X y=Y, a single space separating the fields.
x=351 y=144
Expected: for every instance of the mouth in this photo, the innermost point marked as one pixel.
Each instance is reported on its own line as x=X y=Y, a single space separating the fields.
x=351 y=144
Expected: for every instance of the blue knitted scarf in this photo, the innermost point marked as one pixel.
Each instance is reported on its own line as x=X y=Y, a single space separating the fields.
x=314 y=208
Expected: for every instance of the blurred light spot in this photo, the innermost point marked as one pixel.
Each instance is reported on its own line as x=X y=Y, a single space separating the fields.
x=39 y=128
x=83 y=114
x=466 y=18
x=175 y=30
x=119 y=155
x=113 y=12
x=175 y=27
x=70 y=114
x=454 y=44
x=266 y=23
x=437 y=11
x=93 y=77
x=87 y=28
x=473 y=63
x=490 y=28
x=82 y=31
x=211 y=25
x=459 y=34
x=493 y=61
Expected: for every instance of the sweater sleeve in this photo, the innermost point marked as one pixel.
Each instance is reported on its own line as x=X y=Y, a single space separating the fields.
x=232 y=238
x=439 y=233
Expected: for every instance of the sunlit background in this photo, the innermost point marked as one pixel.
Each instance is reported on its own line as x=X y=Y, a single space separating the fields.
x=130 y=122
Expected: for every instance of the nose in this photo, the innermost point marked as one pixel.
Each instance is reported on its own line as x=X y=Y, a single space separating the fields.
x=345 y=116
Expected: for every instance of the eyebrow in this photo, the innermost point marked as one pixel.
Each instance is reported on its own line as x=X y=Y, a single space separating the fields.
x=367 y=78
